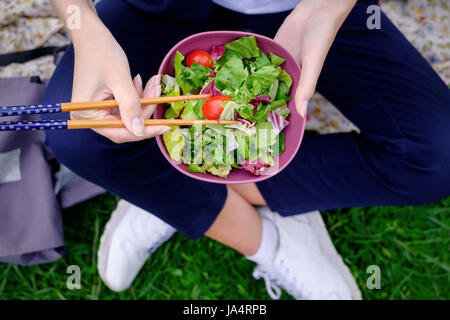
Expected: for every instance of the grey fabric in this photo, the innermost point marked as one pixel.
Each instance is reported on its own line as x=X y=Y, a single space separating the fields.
x=74 y=189
x=30 y=217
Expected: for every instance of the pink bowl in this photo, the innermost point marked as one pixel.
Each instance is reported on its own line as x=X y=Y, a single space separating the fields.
x=293 y=133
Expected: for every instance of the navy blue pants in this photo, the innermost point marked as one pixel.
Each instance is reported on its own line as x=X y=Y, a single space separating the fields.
x=375 y=77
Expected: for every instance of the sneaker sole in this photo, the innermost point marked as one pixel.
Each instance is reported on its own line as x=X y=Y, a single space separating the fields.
x=328 y=247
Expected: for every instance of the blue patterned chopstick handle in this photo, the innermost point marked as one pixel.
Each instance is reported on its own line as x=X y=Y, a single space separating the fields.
x=33 y=125
x=31 y=109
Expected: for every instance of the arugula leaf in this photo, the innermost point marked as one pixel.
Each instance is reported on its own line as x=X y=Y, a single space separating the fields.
x=244 y=47
x=276 y=60
x=231 y=75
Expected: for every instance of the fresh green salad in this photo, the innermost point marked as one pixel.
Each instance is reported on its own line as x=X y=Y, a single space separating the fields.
x=246 y=85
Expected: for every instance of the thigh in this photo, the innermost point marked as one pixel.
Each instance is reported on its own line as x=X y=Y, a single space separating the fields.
x=136 y=171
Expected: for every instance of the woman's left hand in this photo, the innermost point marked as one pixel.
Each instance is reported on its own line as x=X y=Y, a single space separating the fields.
x=308 y=33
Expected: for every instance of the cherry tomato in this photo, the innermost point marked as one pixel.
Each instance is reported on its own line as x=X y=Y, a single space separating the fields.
x=199 y=56
x=212 y=109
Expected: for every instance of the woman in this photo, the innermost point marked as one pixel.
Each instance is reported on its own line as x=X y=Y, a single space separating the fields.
x=375 y=77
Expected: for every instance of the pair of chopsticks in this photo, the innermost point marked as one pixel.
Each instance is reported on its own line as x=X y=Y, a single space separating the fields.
x=90 y=124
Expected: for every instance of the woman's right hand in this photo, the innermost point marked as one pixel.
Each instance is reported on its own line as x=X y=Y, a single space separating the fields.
x=102 y=72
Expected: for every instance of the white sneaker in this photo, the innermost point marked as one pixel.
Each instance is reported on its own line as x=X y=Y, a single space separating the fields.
x=130 y=237
x=306 y=264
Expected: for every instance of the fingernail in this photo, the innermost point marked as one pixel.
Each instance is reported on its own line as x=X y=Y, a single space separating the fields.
x=139 y=80
x=162 y=131
x=304 y=108
x=137 y=124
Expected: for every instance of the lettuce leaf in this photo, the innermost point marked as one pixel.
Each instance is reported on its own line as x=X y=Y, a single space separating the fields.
x=170 y=88
x=193 y=110
x=244 y=47
x=228 y=110
x=231 y=75
x=283 y=92
x=193 y=167
x=265 y=134
x=279 y=147
x=284 y=86
x=285 y=77
x=221 y=170
x=178 y=63
x=283 y=111
x=273 y=89
x=174 y=142
x=191 y=79
x=260 y=82
x=245 y=111
x=262 y=112
x=276 y=60
x=261 y=60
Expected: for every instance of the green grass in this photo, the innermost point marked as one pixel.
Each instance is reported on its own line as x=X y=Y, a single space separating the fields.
x=409 y=244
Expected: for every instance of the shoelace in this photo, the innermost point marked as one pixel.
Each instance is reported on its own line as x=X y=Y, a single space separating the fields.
x=274 y=279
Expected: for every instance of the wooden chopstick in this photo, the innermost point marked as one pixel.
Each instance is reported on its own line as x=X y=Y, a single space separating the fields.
x=77 y=106
x=105 y=104
x=90 y=124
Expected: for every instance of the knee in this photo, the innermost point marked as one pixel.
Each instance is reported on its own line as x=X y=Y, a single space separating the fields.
x=425 y=178
x=79 y=150
x=250 y=193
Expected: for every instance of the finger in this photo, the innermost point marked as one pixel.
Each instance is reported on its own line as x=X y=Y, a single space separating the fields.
x=127 y=98
x=311 y=68
x=96 y=113
x=152 y=89
x=122 y=135
x=137 y=81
